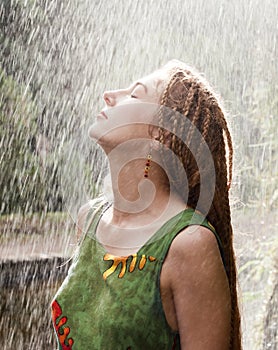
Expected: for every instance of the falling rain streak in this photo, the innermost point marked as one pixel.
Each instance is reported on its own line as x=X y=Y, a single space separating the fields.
x=56 y=59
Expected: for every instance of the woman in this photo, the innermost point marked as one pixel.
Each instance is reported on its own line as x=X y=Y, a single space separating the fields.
x=155 y=268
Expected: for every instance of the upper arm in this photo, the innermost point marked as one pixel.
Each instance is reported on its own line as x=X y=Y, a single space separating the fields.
x=200 y=290
x=81 y=219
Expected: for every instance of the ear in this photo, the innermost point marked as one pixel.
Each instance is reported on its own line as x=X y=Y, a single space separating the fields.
x=155 y=135
x=167 y=136
x=154 y=132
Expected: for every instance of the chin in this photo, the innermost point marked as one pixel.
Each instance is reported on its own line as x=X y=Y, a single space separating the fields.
x=91 y=132
x=94 y=132
x=99 y=137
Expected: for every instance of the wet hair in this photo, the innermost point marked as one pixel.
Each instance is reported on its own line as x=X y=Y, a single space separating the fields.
x=193 y=126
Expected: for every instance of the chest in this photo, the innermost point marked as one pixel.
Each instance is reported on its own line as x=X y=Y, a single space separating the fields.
x=117 y=297
x=123 y=243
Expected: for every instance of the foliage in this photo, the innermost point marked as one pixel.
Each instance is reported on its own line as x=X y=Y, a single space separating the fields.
x=23 y=177
x=258 y=281
x=257 y=169
x=18 y=165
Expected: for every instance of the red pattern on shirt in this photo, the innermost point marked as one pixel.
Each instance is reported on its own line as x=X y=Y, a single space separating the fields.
x=59 y=322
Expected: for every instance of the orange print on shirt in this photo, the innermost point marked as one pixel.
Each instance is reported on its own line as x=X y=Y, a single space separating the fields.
x=123 y=260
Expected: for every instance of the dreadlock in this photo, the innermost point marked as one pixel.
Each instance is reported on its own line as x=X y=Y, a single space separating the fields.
x=191 y=112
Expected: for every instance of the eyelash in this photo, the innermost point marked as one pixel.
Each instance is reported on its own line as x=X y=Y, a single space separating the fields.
x=133 y=96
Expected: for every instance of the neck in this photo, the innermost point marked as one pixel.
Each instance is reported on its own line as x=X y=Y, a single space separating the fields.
x=135 y=195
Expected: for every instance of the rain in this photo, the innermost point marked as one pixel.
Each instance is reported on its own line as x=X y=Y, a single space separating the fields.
x=56 y=60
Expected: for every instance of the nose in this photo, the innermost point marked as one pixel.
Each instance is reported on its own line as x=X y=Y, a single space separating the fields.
x=109 y=98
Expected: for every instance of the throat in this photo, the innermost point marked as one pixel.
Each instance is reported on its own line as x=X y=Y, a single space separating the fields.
x=120 y=241
x=132 y=192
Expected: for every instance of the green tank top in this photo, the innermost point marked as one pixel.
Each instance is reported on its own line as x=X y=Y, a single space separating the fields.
x=109 y=302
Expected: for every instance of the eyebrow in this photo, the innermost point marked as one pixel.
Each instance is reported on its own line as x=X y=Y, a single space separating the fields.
x=159 y=82
x=139 y=83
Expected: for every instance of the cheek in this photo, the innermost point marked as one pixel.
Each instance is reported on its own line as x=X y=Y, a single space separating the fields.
x=132 y=113
x=95 y=131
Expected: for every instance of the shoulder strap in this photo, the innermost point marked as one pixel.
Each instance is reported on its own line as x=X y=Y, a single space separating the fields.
x=188 y=218
x=207 y=224
x=95 y=207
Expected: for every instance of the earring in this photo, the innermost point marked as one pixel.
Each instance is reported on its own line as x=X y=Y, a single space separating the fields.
x=148 y=165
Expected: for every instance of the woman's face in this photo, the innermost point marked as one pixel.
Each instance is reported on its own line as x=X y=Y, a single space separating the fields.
x=128 y=112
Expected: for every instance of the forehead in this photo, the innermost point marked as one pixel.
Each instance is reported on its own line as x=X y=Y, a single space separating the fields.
x=155 y=81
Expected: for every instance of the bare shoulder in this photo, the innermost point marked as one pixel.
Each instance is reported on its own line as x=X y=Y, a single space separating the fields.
x=194 y=242
x=81 y=217
x=83 y=210
x=195 y=253
x=199 y=285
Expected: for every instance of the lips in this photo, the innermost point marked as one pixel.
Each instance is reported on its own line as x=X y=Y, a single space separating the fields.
x=103 y=114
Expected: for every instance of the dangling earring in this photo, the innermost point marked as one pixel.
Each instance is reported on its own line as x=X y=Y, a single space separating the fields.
x=155 y=144
x=148 y=164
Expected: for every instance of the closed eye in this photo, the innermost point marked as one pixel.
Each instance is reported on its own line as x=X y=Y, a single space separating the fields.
x=138 y=90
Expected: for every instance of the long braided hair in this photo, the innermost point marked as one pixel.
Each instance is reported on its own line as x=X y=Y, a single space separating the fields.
x=190 y=109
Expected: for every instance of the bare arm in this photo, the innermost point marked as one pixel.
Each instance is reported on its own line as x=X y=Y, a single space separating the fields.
x=200 y=290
